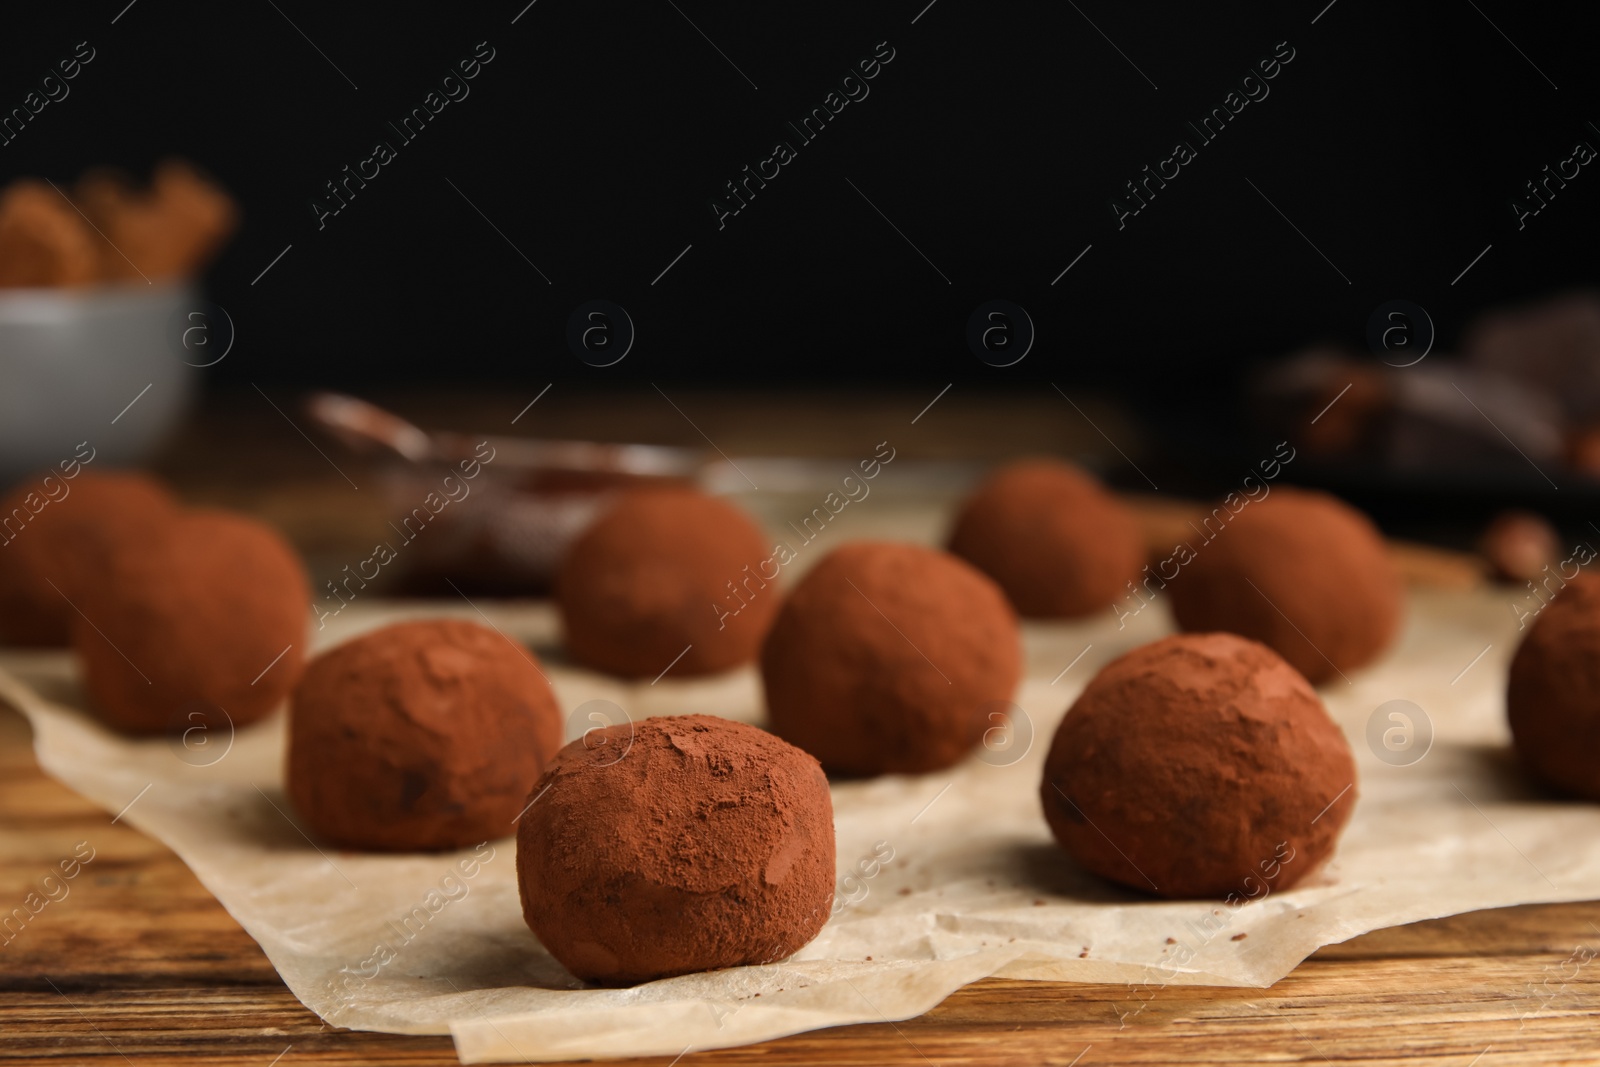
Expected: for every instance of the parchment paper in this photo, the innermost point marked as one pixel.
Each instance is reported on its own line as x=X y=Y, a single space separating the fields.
x=974 y=887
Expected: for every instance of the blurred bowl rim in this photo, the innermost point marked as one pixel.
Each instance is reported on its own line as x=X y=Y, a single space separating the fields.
x=45 y=306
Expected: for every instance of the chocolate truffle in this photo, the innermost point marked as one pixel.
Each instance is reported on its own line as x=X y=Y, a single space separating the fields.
x=1553 y=698
x=1299 y=571
x=1055 y=541
x=1201 y=765
x=419 y=736
x=1519 y=545
x=708 y=844
x=664 y=573
x=886 y=659
x=55 y=534
x=208 y=616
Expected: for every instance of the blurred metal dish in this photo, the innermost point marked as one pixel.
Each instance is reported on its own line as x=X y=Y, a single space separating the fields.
x=534 y=497
x=530 y=500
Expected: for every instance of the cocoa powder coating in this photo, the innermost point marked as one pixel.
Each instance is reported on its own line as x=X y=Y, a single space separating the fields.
x=706 y=844
x=888 y=658
x=1553 y=696
x=654 y=575
x=1199 y=766
x=1299 y=571
x=60 y=531
x=419 y=736
x=206 y=617
x=1054 y=539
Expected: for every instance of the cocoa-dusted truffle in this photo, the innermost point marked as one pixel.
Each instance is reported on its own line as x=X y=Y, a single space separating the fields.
x=419 y=736
x=707 y=844
x=662 y=571
x=1519 y=546
x=1201 y=765
x=887 y=658
x=208 y=616
x=1300 y=571
x=1553 y=698
x=1056 y=542
x=55 y=534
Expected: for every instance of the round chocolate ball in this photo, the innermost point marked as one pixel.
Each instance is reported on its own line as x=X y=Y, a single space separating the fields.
x=665 y=573
x=1054 y=539
x=55 y=534
x=1199 y=766
x=206 y=618
x=419 y=736
x=1519 y=545
x=707 y=843
x=1553 y=697
x=888 y=657
x=1300 y=571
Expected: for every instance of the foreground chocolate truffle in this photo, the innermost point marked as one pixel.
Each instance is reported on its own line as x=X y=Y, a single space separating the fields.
x=208 y=617
x=665 y=573
x=706 y=844
x=419 y=736
x=1299 y=571
x=888 y=658
x=1201 y=765
x=1055 y=541
x=1553 y=698
x=55 y=534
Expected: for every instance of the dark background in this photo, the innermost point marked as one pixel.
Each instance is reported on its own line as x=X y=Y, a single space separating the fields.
x=994 y=140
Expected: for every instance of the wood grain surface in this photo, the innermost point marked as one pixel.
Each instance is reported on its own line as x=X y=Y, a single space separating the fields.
x=138 y=964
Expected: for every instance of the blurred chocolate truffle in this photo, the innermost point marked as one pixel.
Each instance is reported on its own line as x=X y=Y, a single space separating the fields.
x=56 y=531
x=1553 y=697
x=1519 y=545
x=419 y=736
x=1057 y=543
x=887 y=658
x=1202 y=765
x=664 y=573
x=206 y=618
x=1582 y=451
x=1300 y=571
x=708 y=844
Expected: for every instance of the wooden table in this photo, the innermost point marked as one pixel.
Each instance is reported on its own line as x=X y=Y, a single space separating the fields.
x=139 y=964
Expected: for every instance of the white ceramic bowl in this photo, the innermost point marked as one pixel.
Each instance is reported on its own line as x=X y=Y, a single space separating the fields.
x=73 y=360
